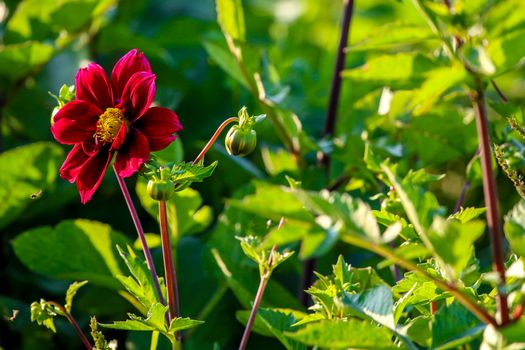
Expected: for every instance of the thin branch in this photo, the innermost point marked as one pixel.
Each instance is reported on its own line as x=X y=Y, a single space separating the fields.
x=74 y=323
x=491 y=197
x=214 y=138
x=498 y=90
x=140 y=233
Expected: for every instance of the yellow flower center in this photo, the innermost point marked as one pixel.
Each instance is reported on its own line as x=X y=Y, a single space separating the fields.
x=109 y=123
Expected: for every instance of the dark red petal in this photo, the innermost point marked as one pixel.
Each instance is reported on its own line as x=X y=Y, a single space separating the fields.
x=74 y=160
x=75 y=122
x=132 y=155
x=138 y=95
x=159 y=124
x=91 y=174
x=90 y=146
x=92 y=86
x=120 y=138
x=131 y=63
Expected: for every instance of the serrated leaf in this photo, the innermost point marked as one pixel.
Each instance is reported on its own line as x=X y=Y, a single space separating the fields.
x=376 y=303
x=453 y=325
x=154 y=321
x=467 y=214
x=189 y=172
x=71 y=292
x=181 y=323
x=141 y=285
x=454 y=242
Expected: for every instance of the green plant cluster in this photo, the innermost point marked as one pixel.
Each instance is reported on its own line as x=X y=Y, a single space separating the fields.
x=386 y=215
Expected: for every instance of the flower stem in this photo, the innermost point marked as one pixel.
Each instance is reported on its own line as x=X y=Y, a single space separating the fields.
x=140 y=233
x=169 y=267
x=491 y=197
x=253 y=313
x=74 y=323
x=214 y=138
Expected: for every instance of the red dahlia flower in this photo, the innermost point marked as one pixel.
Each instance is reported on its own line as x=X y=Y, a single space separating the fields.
x=105 y=119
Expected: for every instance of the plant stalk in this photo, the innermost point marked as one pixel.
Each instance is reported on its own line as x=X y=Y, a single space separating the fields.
x=169 y=267
x=214 y=138
x=329 y=127
x=74 y=323
x=253 y=313
x=140 y=233
x=335 y=91
x=491 y=198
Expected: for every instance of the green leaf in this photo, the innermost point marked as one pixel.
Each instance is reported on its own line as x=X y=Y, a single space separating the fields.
x=272 y=202
x=183 y=173
x=439 y=81
x=74 y=249
x=230 y=16
x=44 y=314
x=453 y=325
x=401 y=70
x=141 y=283
x=454 y=242
x=182 y=323
x=24 y=172
x=71 y=292
x=339 y=334
x=18 y=60
x=515 y=228
x=507 y=51
x=376 y=303
x=154 y=321
x=279 y=322
x=222 y=56
x=393 y=36
x=467 y=214
x=334 y=209
x=478 y=60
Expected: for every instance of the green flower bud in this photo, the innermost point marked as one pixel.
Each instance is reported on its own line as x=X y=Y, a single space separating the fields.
x=240 y=142
x=160 y=190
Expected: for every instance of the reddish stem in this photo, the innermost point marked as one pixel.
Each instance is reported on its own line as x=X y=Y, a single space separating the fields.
x=140 y=233
x=433 y=307
x=214 y=138
x=258 y=297
x=74 y=323
x=169 y=267
x=491 y=198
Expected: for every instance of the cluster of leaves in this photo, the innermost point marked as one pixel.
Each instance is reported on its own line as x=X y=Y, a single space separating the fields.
x=415 y=272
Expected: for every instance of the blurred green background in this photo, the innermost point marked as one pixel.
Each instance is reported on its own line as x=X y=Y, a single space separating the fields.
x=44 y=42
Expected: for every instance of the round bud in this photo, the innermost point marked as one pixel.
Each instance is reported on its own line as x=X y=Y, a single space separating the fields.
x=240 y=142
x=160 y=190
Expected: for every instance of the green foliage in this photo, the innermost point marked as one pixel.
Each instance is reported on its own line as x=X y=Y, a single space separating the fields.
x=341 y=334
x=31 y=171
x=514 y=228
x=398 y=265
x=74 y=249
